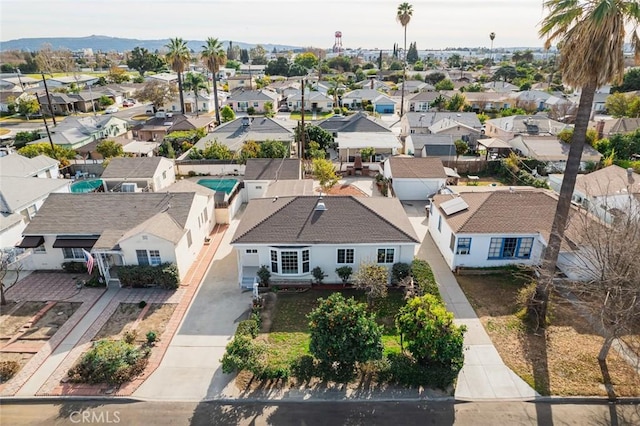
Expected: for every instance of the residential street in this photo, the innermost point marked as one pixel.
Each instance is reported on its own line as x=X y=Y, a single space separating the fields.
x=318 y=413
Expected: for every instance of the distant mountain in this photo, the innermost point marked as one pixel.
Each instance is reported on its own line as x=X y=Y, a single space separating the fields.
x=106 y=44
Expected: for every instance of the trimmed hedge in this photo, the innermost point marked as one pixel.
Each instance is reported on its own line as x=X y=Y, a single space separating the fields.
x=74 y=267
x=423 y=278
x=165 y=276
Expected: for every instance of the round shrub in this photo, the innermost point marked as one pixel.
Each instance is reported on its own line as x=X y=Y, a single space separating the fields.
x=249 y=328
x=8 y=369
x=110 y=361
x=242 y=353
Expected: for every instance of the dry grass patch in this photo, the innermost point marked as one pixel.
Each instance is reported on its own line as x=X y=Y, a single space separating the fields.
x=155 y=319
x=51 y=321
x=10 y=324
x=563 y=361
x=120 y=321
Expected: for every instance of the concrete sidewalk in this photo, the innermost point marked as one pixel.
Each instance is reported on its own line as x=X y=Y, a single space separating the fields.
x=54 y=360
x=484 y=375
x=190 y=369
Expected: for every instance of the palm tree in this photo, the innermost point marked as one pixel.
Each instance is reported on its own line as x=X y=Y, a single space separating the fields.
x=195 y=82
x=404 y=14
x=592 y=36
x=492 y=36
x=213 y=56
x=178 y=59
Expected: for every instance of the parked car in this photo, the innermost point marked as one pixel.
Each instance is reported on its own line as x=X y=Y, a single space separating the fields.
x=111 y=110
x=283 y=108
x=128 y=103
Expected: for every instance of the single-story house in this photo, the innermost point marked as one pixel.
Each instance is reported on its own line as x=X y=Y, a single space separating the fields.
x=260 y=173
x=608 y=193
x=242 y=100
x=492 y=228
x=313 y=101
x=136 y=174
x=205 y=102
x=235 y=133
x=551 y=150
x=415 y=178
x=39 y=166
x=164 y=77
x=18 y=83
x=75 y=132
x=356 y=99
x=79 y=80
x=427 y=145
x=421 y=101
x=156 y=128
x=293 y=235
x=507 y=128
x=421 y=122
x=608 y=128
x=20 y=200
x=120 y=229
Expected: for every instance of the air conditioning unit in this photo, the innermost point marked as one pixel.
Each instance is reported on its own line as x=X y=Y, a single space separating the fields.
x=129 y=187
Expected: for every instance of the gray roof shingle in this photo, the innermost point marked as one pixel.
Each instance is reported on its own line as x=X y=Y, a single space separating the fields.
x=359 y=122
x=347 y=220
x=132 y=167
x=93 y=213
x=417 y=168
x=272 y=169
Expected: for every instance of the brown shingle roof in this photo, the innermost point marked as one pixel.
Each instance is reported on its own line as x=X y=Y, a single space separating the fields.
x=347 y=220
x=503 y=212
x=420 y=168
x=608 y=181
x=272 y=169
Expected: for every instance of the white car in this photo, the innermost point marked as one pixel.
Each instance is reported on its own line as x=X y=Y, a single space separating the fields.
x=111 y=110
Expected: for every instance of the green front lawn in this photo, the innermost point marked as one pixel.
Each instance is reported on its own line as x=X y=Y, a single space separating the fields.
x=289 y=336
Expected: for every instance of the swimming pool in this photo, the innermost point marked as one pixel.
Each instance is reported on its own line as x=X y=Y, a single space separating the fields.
x=225 y=185
x=86 y=186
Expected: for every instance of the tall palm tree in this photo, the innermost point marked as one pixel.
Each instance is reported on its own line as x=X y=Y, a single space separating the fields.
x=591 y=33
x=178 y=59
x=214 y=56
x=195 y=82
x=403 y=15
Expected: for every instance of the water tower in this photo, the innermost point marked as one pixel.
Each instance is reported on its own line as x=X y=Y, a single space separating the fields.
x=337 y=44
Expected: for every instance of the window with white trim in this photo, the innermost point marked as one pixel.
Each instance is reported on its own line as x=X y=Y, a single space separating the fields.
x=251 y=251
x=386 y=255
x=290 y=261
x=346 y=256
x=40 y=249
x=72 y=253
x=464 y=245
x=143 y=259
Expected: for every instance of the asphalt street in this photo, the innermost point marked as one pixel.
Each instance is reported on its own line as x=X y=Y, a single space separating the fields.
x=73 y=412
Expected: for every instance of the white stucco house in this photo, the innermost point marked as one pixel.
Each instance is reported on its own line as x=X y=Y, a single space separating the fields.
x=120 y=229
x=493 y=228
x=607 y=193
x=40 y=166
x=135 y=174
x=414 y=178
x=293 y=235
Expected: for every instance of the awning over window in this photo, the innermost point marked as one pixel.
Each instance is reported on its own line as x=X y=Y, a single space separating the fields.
x=85 y=243
x=31 y=242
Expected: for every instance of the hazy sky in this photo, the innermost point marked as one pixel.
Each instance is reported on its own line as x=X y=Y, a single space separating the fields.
x=435 y=24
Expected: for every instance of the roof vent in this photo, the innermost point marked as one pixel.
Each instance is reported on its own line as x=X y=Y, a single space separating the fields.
x=320 y=206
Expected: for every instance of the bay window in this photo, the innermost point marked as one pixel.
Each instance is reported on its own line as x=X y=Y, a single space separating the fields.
x=290 y=260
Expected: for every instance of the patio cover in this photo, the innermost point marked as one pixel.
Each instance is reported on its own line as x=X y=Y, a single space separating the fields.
x=495 y=143
x=31 y=241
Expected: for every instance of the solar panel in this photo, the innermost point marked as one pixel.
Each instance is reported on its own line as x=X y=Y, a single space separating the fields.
x=454 y=206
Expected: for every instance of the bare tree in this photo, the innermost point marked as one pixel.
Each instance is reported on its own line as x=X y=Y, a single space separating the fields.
x=49 y=60
x=6 y=261
x=608 y=287
x=563 y=111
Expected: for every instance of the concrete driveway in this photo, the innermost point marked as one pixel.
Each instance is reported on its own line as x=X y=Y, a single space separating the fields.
x=190 y=369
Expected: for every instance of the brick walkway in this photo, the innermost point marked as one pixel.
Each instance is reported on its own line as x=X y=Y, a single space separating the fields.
x=45 y=286
x=182 y=297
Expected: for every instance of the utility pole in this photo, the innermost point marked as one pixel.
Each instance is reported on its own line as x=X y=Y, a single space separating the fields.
x=303 y=131
x=46 y=89
x=46 y=125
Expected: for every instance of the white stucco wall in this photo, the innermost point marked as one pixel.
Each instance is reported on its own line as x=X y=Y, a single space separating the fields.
x=416 y=189
x=324 y=256
x=255 y=188
x=479 y=252
x=164 y=176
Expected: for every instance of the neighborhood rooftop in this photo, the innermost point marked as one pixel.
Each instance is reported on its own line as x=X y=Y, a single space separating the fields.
x=348 y=220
